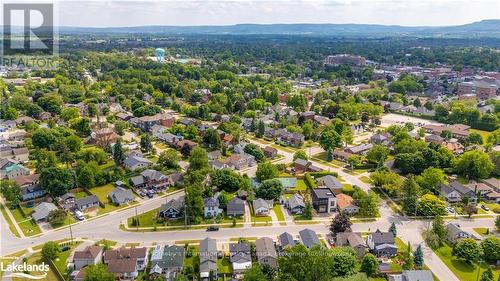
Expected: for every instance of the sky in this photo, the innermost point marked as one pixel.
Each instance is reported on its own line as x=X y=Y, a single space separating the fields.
x=228 y=12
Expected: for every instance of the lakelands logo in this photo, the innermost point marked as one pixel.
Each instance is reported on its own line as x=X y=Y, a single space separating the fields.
x=20 y=270
x=28 y=36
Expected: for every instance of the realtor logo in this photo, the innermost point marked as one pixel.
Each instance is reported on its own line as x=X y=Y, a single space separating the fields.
x=28 y=28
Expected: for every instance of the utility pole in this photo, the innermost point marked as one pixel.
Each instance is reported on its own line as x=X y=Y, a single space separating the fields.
x=136 y=219
x=70 y=230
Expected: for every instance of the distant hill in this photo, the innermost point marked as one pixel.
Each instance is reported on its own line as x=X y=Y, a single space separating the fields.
x=485 y=28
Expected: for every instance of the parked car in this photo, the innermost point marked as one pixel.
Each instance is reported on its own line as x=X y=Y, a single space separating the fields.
x=450 y=210
x=213 y=228
x=484 y=207
x=79 y=215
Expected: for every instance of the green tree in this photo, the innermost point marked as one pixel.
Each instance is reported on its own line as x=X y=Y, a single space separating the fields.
x=227 y=180
x=497 y=222
x=491 y=249
x=266 y=170
x=255 y=273
x=261 y=129
x=340 y=223
x=393 y=229
x=431 y=178
x=408 y=258
x=474 y=164
x=410 y=200
x=300 y=154
x=81 y=126
x=98 y=273
x=118 y=154
x=57 y=217
x=11 y=191
x=50 y=250
x=330 y=140
x=85 y=176
x=255 y=151
x=212 y=140
x=369 y=265
x=169 y=158
x=146 y=145
x=487 y=275
x=467 y=250
x=377 y=154
x=269 y=189
x=198 y=159
x=431 y=205
x=56 y=181
x=69 y=113
x=439 y=229
x=418 y=257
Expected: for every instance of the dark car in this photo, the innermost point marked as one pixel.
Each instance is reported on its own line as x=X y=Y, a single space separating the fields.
x=213 y=228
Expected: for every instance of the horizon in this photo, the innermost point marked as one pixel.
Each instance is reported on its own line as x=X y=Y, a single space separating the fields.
x=407 y=13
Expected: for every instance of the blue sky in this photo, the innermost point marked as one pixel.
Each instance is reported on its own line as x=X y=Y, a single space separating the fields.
x=227 y=12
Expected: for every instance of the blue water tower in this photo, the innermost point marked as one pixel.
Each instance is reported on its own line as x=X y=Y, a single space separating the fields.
x=160 y=54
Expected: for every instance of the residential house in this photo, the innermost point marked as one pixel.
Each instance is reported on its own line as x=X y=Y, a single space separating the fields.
x=454 y=232
x=240 y=257
x=169 y=138
x=455 y=192
x=296 y=204
x=323 y=200
x=329 y=182
x=167 y=260
x=361 y=149
x=262 y=207
x=145 y=123
x=346 y=205
x=309 y=238
x=91 y=255
x=302 y=166
x=291 y=139
x=208 y=259
x=136 y=162
x=103 y=137
x=214 y=155
x=380 y=138
x=270 y=152
x=172 y=209
x=266 y=252
x=20 y=154
x=286 y=240
x=354 y=240
x=150 y=179
x=458 y=131
x=239 y=148
x=126 y=263
x=11 y=169
x=412 y=275
x=341 y=154
x=494 y=194
x=322 y=120
x=121 y=195
x=382 y=243
x=41 y=212
x=30 y=187
x=235 y=207
x=435 y=139
x=182 y=143
x=240 y=161
x=211 y=206
x=87 y=203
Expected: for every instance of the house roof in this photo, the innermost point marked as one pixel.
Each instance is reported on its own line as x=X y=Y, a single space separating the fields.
x=286 y=239
x=153 y=175
x=344 y=201
x=351 y=238
x=211 y=202
x=208 y=255
x=121 y=195
x=122 y=265
x=454 y=229
x=125 y=253
x=322 y=193
x=308 y=237
x=236 y=205
x=330 y=181
x=417 y=275
x=42 y=210
x=264 y=247
x=380 y=237
x=90 y=252
x=88 y=200
x=301 y=162
x=134 y=160
x=296 y=201
x=261 y=203
x=240 y=252
x=175 y=204
x=29 y=179
x=168 y=256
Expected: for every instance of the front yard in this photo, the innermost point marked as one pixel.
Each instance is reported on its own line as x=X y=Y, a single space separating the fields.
x=24 y=221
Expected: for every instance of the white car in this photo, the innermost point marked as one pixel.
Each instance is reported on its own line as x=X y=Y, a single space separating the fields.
x=79 y=215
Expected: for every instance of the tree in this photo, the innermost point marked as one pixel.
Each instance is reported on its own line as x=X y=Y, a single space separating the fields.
x=474 y=164
x=169 y=158
x=431 y=205
x=300 y=154
x=198 y=159
x=308 y=211
x=467 y=250
x=212 y=140
x=470 y=209
x=377 y=154
x=369 y=265
x=57 y=217
x=330 y=140
x=69 y=113
x=266 y=170
x=343 y=262
x=56 y=180
x=255 y=273
x=81 y=126
x=410 y=200
x=393 y=229
x=255 y=151
x=439 y=229
x=340 y=223
x=11 y=191
x=50 y=250
x=146 y=145
x=269 y=189
x=194 y=203
x=408 y=258
x=475 y=138
x=418 y=257
x=85 y=176
x=431 y=178
x=491 y=249
x=98 y=272
x=354 y=161
x=261 y=129
x=497 y=222
x=487 y=275
x=118 y=154
x=227 y=180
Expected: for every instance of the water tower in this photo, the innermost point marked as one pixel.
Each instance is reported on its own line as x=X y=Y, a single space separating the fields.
x=160 y=54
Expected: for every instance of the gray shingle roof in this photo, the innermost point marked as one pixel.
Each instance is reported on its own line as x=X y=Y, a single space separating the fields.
x=42 y=210
x=286 y=239
x=208 y=255
x=309 y=238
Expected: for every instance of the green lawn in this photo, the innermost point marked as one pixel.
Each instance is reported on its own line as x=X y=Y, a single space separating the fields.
x=61 y=262
x=462 y=270
x=28 y=227
x=365 y=179
x=483 y=231
x=36 y=258
x=224 y=265
x=146 y=219
x=484 y=134
x=102 y=193
x=301 y=186
x=279 y=214
x=12 y=228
